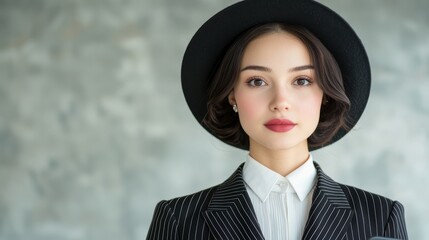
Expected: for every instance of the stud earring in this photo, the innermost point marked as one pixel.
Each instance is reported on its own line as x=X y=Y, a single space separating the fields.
x=234 y=107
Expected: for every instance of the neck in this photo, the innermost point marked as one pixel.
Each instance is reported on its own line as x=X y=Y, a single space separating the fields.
x=282 y=161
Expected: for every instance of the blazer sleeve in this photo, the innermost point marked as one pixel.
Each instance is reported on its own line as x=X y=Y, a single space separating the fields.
x=395 y=226
x=164 y=224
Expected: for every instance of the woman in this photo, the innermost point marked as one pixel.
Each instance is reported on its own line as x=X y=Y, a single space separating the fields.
x=274 y=78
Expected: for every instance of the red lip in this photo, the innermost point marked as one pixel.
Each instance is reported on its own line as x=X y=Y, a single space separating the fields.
x=280 y=125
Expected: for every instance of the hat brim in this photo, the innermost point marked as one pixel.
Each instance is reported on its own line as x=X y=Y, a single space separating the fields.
x=211 y=41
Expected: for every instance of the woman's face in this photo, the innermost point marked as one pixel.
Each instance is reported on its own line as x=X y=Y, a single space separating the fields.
x=277 y=95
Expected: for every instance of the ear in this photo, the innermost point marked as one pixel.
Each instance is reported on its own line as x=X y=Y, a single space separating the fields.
x=231 y=98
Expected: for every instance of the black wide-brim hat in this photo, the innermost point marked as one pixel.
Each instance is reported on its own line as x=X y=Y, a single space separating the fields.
x=213 y=38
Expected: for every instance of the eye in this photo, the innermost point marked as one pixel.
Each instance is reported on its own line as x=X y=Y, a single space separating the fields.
x=256 y=82
x=302 y=81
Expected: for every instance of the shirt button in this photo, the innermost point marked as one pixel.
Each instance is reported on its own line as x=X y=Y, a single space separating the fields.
x=283 y=186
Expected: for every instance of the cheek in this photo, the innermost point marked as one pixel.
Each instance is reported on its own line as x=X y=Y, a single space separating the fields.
x=311 y=107
x=248 y=106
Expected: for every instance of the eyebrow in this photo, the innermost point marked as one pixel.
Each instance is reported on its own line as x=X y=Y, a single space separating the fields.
x=257 y=68
x=267 y=69
x=301 y=68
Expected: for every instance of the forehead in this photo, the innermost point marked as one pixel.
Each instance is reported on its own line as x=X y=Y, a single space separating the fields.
x=277 y=48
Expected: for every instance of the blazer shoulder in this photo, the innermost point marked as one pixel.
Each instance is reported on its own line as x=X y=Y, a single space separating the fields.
x=378 y=209
x=188 y=204
x=355 y=196
x=172 y=218
x=354 y=193
x=185 y=214
x=372 y=214
x=199 y=201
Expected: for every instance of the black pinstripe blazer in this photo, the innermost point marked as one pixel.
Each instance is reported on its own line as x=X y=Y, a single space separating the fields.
x=226 y=212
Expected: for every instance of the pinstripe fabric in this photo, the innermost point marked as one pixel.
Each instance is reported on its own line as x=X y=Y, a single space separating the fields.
x=225 y=212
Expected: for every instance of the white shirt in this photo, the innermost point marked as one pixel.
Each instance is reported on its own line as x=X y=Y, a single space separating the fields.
x=281 y=204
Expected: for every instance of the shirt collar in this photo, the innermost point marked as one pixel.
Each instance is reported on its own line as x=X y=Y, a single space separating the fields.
x=303 y=178
x=259 y=178
x=262 y=180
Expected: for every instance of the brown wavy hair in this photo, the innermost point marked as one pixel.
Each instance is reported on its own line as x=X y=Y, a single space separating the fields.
x=223 y=122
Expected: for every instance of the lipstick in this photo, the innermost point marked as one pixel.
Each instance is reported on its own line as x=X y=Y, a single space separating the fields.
x=280 y=125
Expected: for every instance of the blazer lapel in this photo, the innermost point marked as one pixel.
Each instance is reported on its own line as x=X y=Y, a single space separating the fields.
x=230 y=214
x=330 y=212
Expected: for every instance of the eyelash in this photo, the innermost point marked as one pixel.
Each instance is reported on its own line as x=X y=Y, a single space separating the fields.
x=252 y=79
x=303 y=78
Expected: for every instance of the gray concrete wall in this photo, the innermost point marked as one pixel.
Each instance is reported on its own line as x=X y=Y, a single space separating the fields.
x=94 y=130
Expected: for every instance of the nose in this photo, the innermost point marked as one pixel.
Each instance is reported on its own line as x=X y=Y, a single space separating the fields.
x=280 y=100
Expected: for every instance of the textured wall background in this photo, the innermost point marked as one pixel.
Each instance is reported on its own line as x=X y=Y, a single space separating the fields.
x=94 y=130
